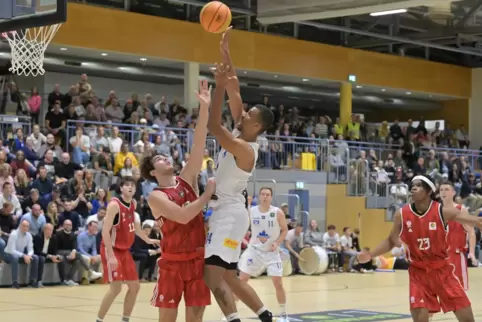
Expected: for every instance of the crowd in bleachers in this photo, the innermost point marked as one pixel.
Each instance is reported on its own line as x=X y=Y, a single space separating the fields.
x=56 y=176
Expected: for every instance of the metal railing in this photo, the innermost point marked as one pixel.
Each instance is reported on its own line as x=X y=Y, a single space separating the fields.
x=398 y=195
x=10 y=123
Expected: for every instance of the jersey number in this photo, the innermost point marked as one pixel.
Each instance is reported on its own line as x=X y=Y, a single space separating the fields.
x=132 y=227
x=270 y=223
x=208 y=238
x=423 y=243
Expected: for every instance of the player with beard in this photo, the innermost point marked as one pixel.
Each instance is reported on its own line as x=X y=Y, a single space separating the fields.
x=178 y=209
x=422 y=227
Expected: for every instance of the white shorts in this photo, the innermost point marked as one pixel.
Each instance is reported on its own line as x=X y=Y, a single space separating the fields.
x=227 y=227
x=254 y=262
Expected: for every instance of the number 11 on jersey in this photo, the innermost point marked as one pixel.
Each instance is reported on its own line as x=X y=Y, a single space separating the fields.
x=132 y=227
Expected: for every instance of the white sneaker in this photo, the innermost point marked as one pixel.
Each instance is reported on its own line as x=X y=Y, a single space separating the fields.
x=95 y=275
x=71 y=283
x=223 y=318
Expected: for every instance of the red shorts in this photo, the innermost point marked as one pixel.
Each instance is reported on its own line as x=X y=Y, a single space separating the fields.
x=178 y=278
x=460 y=262
x=436 y=289
x=126 y=267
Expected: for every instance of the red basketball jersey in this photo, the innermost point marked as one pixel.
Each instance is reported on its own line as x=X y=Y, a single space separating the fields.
x=178 y=238
x=457 y=236
x=424 y=234
x=123 y=231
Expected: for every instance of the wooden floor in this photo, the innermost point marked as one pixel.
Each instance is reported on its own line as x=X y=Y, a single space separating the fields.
x=349 y=295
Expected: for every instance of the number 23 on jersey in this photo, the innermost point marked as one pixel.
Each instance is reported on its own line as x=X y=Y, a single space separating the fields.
x=423 y=243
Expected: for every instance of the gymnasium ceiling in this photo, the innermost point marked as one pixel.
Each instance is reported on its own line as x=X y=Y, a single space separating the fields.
x=448 y=31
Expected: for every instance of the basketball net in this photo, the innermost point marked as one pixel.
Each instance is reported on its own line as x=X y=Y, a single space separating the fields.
x=28 y=49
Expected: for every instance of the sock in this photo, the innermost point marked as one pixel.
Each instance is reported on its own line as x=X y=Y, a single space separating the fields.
x=266 y=316
x=261 y=310
x=99 y=320
x=282 y=308
x=125 y=319
x=233 y=317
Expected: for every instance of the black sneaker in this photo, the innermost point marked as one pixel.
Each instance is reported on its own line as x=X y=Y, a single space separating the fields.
x=15 y=285
x=33 y=284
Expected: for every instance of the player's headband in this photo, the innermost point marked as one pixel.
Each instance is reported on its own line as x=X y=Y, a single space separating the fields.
x=426 y=180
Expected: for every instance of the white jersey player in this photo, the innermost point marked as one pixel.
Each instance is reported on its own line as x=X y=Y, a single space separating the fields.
x=268 y=231
x=229 y=220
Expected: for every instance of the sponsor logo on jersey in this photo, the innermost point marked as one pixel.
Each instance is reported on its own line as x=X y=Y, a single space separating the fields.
x=250 y=261
x=230 y=243
x=256 y=221
x=263 y=217
x=432 y=226
x=181 y=194
x=409 y=226
x=272 y=214
x=263 y=236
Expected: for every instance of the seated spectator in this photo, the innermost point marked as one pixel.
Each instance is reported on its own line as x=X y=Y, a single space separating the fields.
x=67 y=245
x=89 y=184
x=87 y=245
x=21 y=163
x=74 y=183
x=7 y=225
x=331 y=242
x=122 y=156
x=126 y=170
x=82 y=204
x=20 y=250
x=368 y=267
x=38 y=139
x=103 y=169
x=53 y=197
x=36 y=220
x=8 y=196
x=55 y=122
x=43 y=184
x=48 y=162
x=115 y=142
x=98 y=142
x=6 y=177
x=28 y=151
x=313 y=235
x=50 y=145
x=347 y=248
x=355 y=239
x=64 y=170
x=22 y=185
x=70 y=215
x=80 y=147
x=31 y=200
x=99 y=201
x=52 y=215
x=294 y=244
x=46 y=249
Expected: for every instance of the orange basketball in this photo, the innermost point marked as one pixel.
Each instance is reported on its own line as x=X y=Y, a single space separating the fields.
x=215 y=17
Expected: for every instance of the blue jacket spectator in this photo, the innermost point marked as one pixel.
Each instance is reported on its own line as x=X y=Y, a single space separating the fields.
x=86 y=240
x=35 y=219
x=43 y=184
x=73 y=216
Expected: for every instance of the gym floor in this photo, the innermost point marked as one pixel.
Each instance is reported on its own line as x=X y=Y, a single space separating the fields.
x=329 y=297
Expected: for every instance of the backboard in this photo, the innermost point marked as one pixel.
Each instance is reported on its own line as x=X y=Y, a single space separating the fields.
x=22 y=14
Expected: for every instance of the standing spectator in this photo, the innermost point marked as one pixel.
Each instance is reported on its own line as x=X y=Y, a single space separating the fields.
x=67 y=245
x=46 y=249
x=34 y=103
x=20 y=250
x=355 y=239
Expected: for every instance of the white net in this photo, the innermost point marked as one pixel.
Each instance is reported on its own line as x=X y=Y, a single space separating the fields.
x=28 y=49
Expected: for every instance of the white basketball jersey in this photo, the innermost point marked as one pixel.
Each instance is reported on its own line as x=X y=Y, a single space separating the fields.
x=231 y=180
x=265 y=229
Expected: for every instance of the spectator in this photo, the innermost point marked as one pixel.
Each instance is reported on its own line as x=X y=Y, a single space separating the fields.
x=46 y=249
x=65 y=169
x=331 y=241
x=52 y=215
x=28 y=151
x=80 y=147
x=36 y=220
x=7 y=224
x=313 y=235
x=19 y=249
x=42 y=184
x=55 y=122
x=115 y=142
x=55 y=96
x=38 y=139
x=294 y=243
x=50 y=145
x=206 y=158
x=122 y=156
x=21 y=163
x=32 y=199
x=7 y=195
x=103 y=167
x=6 y=177
x=99 y=201
x=347 y=248
x=141 y=251
x=67 y=245
x=126 y=170
x=70 y=215
x=87 y=246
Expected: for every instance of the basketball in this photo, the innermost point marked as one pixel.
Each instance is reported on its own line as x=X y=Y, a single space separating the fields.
x=215 y=17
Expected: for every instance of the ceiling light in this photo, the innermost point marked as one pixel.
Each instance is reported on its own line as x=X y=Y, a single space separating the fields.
x=63 y=49
x=430 y=96
x=245 y=72
x=388 y=12
x=2 y=54
x=384 y=90
x=359 y=86
x=275 y=76
x=305 y=79
x=408 y=93
x=143 y=59
x=104 y=54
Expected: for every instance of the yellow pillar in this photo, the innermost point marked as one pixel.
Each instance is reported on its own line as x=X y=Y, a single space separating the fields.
x=345 y=103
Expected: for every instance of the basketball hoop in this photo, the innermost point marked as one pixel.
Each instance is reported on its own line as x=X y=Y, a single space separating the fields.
x=28 y=49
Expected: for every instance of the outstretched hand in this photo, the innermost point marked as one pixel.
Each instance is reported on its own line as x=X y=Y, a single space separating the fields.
x=224 y=44
x=220 y=72
x=204 y=93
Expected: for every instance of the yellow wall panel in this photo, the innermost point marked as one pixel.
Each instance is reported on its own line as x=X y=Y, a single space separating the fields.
x=342 y=211
x=143 y=35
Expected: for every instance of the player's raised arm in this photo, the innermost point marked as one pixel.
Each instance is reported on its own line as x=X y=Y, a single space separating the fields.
x=194 y=165
x=237 y=147
x=393 y=240
x=449 y=212
x=232 y=88
x=111 y=212
x=161 y=205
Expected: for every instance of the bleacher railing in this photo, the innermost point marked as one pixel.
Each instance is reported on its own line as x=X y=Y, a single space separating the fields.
x=287 y=152
x=10 y=123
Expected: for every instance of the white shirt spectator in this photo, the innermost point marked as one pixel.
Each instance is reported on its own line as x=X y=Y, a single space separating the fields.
x=115 y=144
x=85 y=139
x=291 y=237
x=17 y=208
x=263 y=143
x=331 y=241
x=335 y=160
x=37 y=141
x=18 y=241
x=96 y=142
x=346 y=242
x=400 y=192
x=95 y=218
